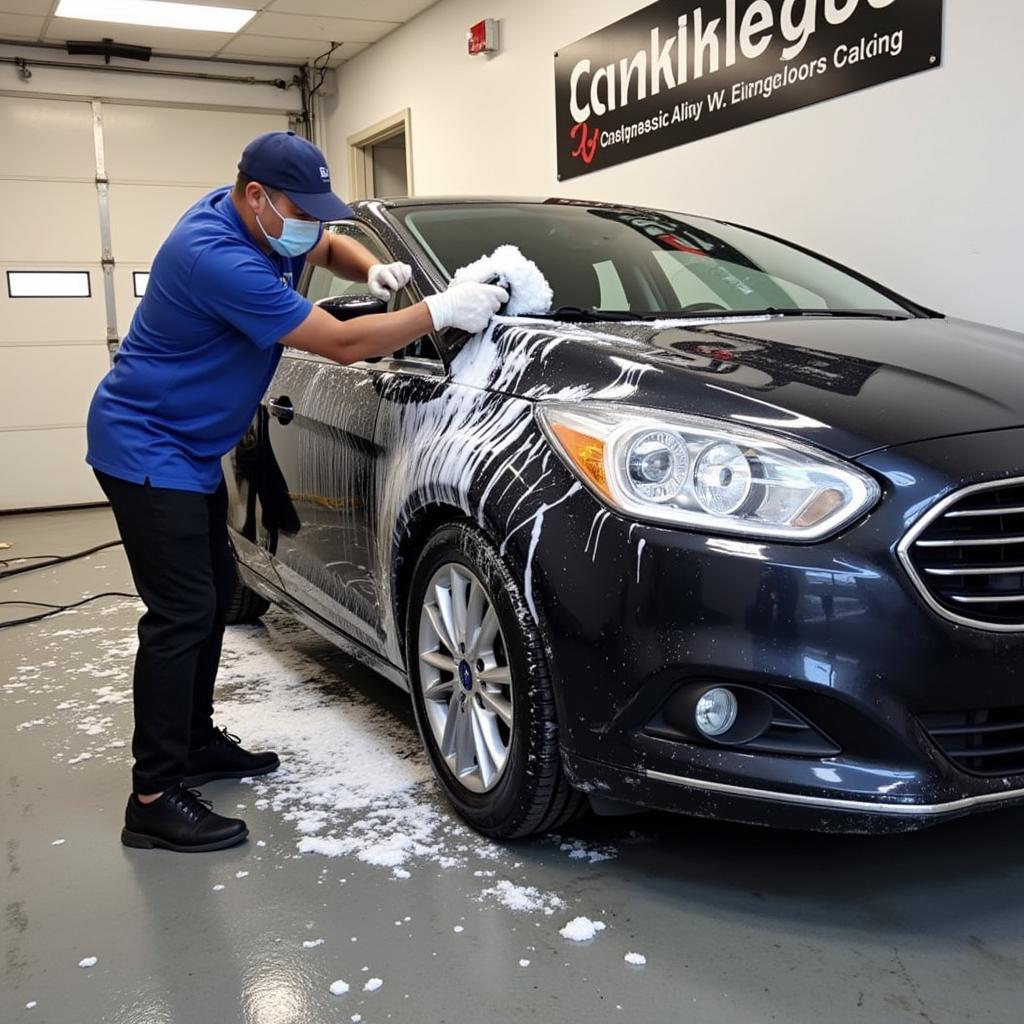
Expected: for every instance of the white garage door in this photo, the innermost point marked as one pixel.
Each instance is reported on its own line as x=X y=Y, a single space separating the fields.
x=53 y=308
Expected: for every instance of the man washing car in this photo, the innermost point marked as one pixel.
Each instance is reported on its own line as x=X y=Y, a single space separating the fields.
x=187 y=380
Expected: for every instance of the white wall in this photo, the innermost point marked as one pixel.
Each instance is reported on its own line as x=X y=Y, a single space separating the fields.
x=915 y=182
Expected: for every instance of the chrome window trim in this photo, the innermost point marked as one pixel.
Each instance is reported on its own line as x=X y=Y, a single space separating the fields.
x=936 y=512
x=835 y=803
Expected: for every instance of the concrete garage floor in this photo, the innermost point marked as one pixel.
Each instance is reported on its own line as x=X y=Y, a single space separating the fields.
x=738 y=925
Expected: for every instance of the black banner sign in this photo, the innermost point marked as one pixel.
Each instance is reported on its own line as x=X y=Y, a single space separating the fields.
x=681 y=70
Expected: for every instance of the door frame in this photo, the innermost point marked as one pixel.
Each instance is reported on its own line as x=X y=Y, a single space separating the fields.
x=361 y=143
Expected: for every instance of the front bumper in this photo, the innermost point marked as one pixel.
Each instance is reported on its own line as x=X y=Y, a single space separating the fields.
x=836 y=630
x=780 y=808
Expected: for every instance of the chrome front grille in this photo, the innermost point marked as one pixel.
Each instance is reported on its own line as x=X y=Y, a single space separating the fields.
x=966 y=556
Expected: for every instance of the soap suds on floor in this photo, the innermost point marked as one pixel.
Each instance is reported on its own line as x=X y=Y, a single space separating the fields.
x=525 y=898
x=593 y=853
x=636 y=959
x=354 y=781
x=581 y=929
x=372 y=985
x=89 y=961
x=339 y=987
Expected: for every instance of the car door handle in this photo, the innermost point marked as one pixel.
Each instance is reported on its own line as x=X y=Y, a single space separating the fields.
x=282 y=409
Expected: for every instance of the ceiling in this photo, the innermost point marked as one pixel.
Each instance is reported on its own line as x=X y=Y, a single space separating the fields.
x=283 y=31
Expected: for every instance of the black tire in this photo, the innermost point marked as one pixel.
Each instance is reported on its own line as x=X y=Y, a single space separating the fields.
x=533 y=794
x=246 y=606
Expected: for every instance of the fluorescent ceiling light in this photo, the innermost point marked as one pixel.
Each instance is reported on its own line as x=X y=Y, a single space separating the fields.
x=157 y=13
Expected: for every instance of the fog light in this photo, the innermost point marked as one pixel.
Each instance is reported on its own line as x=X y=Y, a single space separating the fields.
x=716 y=711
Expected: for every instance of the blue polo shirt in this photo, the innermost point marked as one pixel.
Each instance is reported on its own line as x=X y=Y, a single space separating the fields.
x=200 y=352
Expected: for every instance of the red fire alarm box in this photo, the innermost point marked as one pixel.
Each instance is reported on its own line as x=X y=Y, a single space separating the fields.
x=483 y=37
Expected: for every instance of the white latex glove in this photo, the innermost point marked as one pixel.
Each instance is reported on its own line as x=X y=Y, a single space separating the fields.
x=467 y=306
x=384 y=279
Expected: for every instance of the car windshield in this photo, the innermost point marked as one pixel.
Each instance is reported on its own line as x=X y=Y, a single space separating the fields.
x=644 y=263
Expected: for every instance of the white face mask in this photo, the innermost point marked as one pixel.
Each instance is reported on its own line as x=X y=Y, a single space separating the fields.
x=297 y=236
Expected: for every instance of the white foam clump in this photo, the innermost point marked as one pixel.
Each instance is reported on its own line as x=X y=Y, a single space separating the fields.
x=524 y=963
x=524 y=898
x=312 y=943
x=529 y=288
x=89 y=961
x=636 y=959
x=581 y=929
x=372 y=985
x=580 y=850
x=339 y=987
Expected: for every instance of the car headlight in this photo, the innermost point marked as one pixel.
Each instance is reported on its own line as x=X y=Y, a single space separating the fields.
x=706 y=474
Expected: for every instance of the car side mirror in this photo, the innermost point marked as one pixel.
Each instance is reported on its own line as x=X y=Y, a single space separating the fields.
x=348 y=307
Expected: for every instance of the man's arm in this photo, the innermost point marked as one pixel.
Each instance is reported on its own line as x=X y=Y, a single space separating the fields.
x=467 y=306
x=342 y=256
x=364 y=337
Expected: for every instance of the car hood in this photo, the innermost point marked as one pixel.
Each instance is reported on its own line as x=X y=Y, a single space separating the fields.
x=846 y=384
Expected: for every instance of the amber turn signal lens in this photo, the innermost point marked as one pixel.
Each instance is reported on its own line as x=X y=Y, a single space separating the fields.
x=823 y=505
x=586 y=452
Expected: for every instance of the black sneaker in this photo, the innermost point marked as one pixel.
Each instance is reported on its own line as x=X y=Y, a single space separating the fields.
x=225 y=758
x=179 y=820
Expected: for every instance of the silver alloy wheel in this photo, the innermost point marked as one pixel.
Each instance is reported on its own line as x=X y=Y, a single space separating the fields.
x=465 y=678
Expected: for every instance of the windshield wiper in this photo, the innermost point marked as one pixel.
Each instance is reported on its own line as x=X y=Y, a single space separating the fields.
x=587 y=314
x=864 y=314
x=739 y=314
x=590 y=315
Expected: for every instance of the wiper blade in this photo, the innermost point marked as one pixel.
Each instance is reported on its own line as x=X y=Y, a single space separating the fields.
x=864 y=314
x=589 y=315
x=740 y=314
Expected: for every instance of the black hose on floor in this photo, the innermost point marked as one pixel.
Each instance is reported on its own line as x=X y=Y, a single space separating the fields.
x=50 y=561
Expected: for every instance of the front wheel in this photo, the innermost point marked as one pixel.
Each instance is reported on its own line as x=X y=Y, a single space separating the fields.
x=482 y=691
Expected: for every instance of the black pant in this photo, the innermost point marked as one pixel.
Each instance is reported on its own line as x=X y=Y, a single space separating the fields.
x=184 y=570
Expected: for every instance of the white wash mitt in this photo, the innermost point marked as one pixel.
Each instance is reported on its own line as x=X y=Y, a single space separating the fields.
x=529 y=291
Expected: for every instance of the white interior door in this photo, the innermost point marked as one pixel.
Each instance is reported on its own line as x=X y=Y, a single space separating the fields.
x=53 y=346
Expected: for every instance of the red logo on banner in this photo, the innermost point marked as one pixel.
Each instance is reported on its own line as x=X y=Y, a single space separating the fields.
x=587 y=148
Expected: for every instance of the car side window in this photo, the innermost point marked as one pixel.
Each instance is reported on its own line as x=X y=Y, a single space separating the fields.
x=323 y=284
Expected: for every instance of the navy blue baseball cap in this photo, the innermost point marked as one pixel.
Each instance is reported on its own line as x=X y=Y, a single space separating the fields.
x=294 y=166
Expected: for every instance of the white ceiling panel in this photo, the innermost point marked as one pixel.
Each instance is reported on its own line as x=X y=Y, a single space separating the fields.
x=294 y=50
x=238 y=5
x=374 y=10
x=40 y=8
x=298 y=26
x=20 y=26
x=292 y=31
